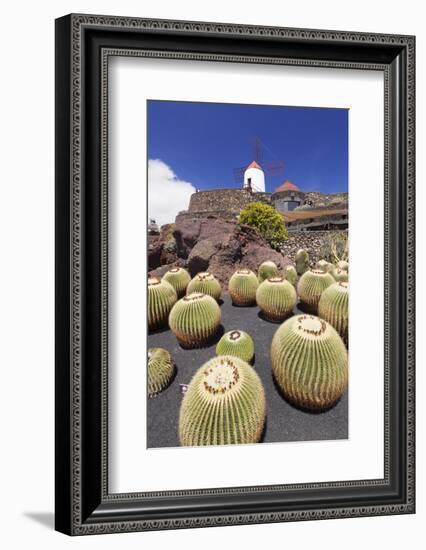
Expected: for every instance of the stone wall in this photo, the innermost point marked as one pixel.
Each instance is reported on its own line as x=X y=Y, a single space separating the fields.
x=225 y=200
x=312 y=241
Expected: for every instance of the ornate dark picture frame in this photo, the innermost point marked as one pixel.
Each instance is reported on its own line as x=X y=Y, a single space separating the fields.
x=84 y=44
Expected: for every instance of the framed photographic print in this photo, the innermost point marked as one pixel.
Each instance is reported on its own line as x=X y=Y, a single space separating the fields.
x=217 y=189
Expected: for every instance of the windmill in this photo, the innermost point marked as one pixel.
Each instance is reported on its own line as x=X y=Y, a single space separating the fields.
x=252 y=176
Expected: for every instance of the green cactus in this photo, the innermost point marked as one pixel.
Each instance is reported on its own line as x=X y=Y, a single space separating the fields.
x=339 y=275
x=161 y=298
x=309 y=362
x=195 y=319
x=160 y=370
x=290 y=274
x=333 y=307
x=310 y=287
x=224 y=404
x=179 y=279
x=267 y=269
x=302 y=261
x=238 y=344
x=323 y=265
x=343 y=264
x=276 y=297
x=206 y=283
x=242 y=287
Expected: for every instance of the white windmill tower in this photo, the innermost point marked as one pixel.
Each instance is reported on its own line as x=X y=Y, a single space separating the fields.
x=254 y=178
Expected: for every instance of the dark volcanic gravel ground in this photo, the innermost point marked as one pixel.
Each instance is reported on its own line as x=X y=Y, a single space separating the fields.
x=284 y=422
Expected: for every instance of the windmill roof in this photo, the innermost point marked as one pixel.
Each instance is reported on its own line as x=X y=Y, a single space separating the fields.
x=287 y=186
x=254 y=165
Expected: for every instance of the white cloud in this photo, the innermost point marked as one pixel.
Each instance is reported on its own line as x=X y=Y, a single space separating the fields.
x=167 y=195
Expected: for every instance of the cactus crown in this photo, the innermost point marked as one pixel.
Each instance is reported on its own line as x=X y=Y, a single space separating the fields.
x=204 y=276
x=193 y=297
x=276 y=279
x=310 y=326
x=153 y=281
x=243 y=271
x=235 y=335
x=221 y=377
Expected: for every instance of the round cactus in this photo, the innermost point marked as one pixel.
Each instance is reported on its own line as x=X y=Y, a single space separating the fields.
x=323 y=265
x=340 y=274
x=309 y=362
x=224 y=404
x=238 y=344
x=179 y=279
x=302 y=261
x=205 y=283
x=333 y=307
x=242 y=287
x=161 y=298
x=310 y=287
x=160 y=370
x=195 y=319
x=267 y=269
x=343 y=264
x=290 y=274
x=276 y=297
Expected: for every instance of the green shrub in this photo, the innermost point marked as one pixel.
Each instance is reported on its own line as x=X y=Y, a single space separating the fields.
x=267 y=221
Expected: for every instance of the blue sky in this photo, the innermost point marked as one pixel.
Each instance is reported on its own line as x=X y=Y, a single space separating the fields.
x=202 y=143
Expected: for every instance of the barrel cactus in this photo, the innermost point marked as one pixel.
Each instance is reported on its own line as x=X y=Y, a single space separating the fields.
x=207 y=284
x=276 y=297
x=195 y=319
x=333 y=307
x=302 y=261
x=323 y=265
x=343 y=264
x=309 y=362
x=238 y=344
x=310 y=287
x=160 y=370
x=267 y=269
x=179 y=279
x=161 y=298
x=340 y=274
x=290 y=274
x=242 y=287
x=224 y=404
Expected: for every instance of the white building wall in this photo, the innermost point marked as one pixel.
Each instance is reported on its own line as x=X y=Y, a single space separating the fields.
x=257 y=179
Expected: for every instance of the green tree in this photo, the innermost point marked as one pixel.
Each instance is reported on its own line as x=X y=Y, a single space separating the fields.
x=267 y=221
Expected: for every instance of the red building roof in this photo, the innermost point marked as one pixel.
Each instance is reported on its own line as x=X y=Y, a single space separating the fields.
x=254 y=165
x=287 y=186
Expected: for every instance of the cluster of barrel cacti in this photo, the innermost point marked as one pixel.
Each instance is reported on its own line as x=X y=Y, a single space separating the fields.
x=225 y=401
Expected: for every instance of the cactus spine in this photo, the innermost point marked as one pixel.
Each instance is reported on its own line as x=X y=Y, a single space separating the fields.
x=242 y=287
x=179 y=279
x=323 y=265
x=302 y=261
x=310 y=287
x=238 y=344
x=340 y=274
x=224 y=404
x=206 y=283
x=309 y=362
x=195 y=319
x=267 y=269
x=343 y=264
x=290 y=274
x=333 y=307
x=276 y=297
x=161 y=298
x=160 y=370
